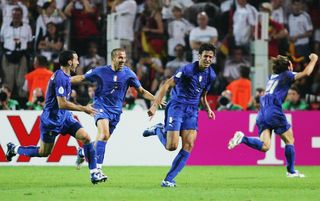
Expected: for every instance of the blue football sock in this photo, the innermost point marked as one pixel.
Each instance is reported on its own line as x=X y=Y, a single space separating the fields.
x=100 y=149
x=31 y=151
x=252 y=142
x=290 y=156
x=162 y=135
x=178 y=163
x=90 y=154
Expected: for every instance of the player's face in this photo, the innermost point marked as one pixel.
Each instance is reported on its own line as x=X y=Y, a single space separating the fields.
x=119 y=60
x=206 y=59
x=75 y=62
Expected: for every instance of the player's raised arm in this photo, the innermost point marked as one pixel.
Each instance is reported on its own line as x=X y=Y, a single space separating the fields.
x=309 y=68
x=63 y=103
x=206 y=105
x=162 y=91
x=77 y=78
x=146 y=94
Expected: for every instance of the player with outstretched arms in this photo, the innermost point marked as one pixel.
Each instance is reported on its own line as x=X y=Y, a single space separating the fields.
x=271 y=117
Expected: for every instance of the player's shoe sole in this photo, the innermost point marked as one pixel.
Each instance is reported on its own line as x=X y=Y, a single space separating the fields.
x=10 y=151
x=168 y=184
x=297 y=174
x=236 y=140
x=152 y=130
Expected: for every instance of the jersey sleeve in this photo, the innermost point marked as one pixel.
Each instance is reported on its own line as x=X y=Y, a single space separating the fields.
x=133 y=80
x=289 y=76
x=92 y=75
x=211 y=79
x=180 y=73
x=61 y=85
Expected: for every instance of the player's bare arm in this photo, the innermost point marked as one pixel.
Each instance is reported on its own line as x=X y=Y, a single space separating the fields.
x=77 y=79
x=309 y=68
x=162 y=91
x=206 y=105
x=64 y=104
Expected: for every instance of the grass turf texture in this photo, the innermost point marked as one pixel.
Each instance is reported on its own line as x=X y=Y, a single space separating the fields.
x=143 y=183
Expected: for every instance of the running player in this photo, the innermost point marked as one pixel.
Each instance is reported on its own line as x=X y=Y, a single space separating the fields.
x=191 y=83
x=112 y=84
x=56 y=118
x=271 y=116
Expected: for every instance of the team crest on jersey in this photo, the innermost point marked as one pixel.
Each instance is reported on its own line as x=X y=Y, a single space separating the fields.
x=115 y=78
x=61 y=90
x=178 y=75
x=90 y=71
x=200 y=78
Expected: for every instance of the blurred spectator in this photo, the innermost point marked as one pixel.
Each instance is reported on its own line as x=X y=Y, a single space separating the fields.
x=49 y=13
x=16 y=39
x=241 y=88
x=60 y=4
x=225 y=102
x=126 y=12
x=130 y=98
x=300 y=29
x=149 y=72
x=91 y=92
x=90 y=60
x=169 y=4
x=152 y=36
x=7 y=8
x=232 y=65
x=84 y=24
x=254 y=103
x=179 y=61
x=6 y=103
x=177 y=30
x=202 y=34
x=74 y=97
x=276 y=31
x=38 y=101
x=38 y=78
x=294 y=101
x=244 y=20
x=278 y=13
x=51 y=44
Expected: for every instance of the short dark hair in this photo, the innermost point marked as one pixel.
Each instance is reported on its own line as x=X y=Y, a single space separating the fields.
x=245 y=72
x=65 y=56
x=42 y=60
x=280 y=64
x=115 y=51
x=18 y=8
x=295 y=88
x=207 y=47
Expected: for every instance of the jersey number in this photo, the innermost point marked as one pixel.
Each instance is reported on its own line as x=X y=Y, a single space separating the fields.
x=272 y=84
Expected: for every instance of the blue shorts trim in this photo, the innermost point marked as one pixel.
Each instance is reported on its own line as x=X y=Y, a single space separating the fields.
x=112 y=117
x=70 y=126
x=272 y=118
x=181 y=117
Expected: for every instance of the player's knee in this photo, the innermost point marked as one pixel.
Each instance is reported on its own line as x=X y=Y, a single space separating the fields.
x=188 y=146
x=103 y=136
x=171 y=147
x=265 y=147
x=86 y=139
x=44 y=153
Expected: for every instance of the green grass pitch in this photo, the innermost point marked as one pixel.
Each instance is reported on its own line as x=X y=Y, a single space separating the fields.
x=143 y=184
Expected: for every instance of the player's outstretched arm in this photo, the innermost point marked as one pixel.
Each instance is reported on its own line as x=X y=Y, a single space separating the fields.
x=309 y=68
x=77 y=79
x=67 y=105
x=146 y=94
x=162 y=91
x=206 y=105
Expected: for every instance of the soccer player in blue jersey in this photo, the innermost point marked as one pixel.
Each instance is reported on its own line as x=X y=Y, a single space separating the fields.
x=190 y=85
x=56 y=118
x=271 y=117
x=112 y=84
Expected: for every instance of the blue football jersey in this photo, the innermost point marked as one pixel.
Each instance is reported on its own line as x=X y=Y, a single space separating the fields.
x=191 y=82
x=111 y=86
x=59 y=85
x=277 y=88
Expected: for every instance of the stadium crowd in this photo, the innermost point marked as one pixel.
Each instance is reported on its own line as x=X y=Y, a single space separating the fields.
x=159 y=36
